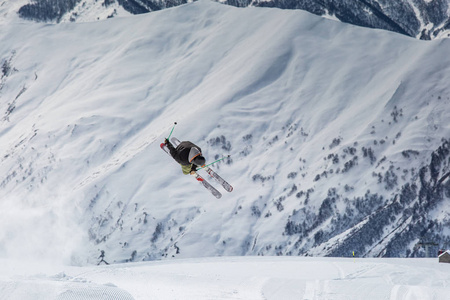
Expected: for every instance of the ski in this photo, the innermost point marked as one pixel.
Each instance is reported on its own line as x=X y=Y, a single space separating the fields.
x=210 y=171
x=208 y=186
x=219 y=179
x=198 y=177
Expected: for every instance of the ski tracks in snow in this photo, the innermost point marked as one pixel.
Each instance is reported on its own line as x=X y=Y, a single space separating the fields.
x=34 y=288
x=249 y=278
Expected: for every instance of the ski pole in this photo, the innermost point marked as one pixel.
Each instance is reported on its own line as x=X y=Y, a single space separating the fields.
x=214 y=162
x=174 y=124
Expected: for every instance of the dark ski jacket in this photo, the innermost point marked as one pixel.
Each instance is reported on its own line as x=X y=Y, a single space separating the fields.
x=181 y=155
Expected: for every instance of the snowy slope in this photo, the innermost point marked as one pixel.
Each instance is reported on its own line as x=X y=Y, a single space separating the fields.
x=422 y=19
x=327 y=125
x=247 y=278
x=61 y=11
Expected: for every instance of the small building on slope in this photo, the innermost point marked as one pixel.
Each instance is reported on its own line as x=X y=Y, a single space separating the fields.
x=445 y=257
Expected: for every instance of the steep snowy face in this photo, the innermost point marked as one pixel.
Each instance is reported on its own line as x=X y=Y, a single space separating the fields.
x=422 y=19
x=338 y=137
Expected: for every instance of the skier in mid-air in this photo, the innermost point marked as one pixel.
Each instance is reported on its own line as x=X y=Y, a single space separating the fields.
x=188 y=155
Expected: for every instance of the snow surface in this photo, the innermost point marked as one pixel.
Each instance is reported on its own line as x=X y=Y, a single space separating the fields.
x=85 y=107
x=249 y=278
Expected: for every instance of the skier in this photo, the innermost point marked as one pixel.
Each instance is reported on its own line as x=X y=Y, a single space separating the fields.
x=188 y=155
x=102 y=256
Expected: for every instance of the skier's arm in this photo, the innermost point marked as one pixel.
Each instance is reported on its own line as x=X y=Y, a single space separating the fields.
x=172 y=150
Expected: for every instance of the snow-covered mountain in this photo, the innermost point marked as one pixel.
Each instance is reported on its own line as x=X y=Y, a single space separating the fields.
x=423 y=19
x=338 y=135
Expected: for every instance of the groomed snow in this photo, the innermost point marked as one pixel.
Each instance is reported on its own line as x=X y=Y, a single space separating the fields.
x=249 y=278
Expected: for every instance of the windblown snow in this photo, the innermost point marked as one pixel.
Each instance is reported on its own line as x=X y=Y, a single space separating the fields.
x=327 y=126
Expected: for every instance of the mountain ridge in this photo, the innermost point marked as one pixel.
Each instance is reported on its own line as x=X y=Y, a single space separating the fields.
x=420 y=19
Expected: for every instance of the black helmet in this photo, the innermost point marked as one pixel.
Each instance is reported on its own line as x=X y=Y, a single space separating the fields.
x=199 y=160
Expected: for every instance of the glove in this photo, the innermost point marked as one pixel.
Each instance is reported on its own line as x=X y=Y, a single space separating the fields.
x=166 y=141
x=193 y=168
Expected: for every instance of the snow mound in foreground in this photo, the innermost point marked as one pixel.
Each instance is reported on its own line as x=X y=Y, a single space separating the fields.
x=233 y=278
